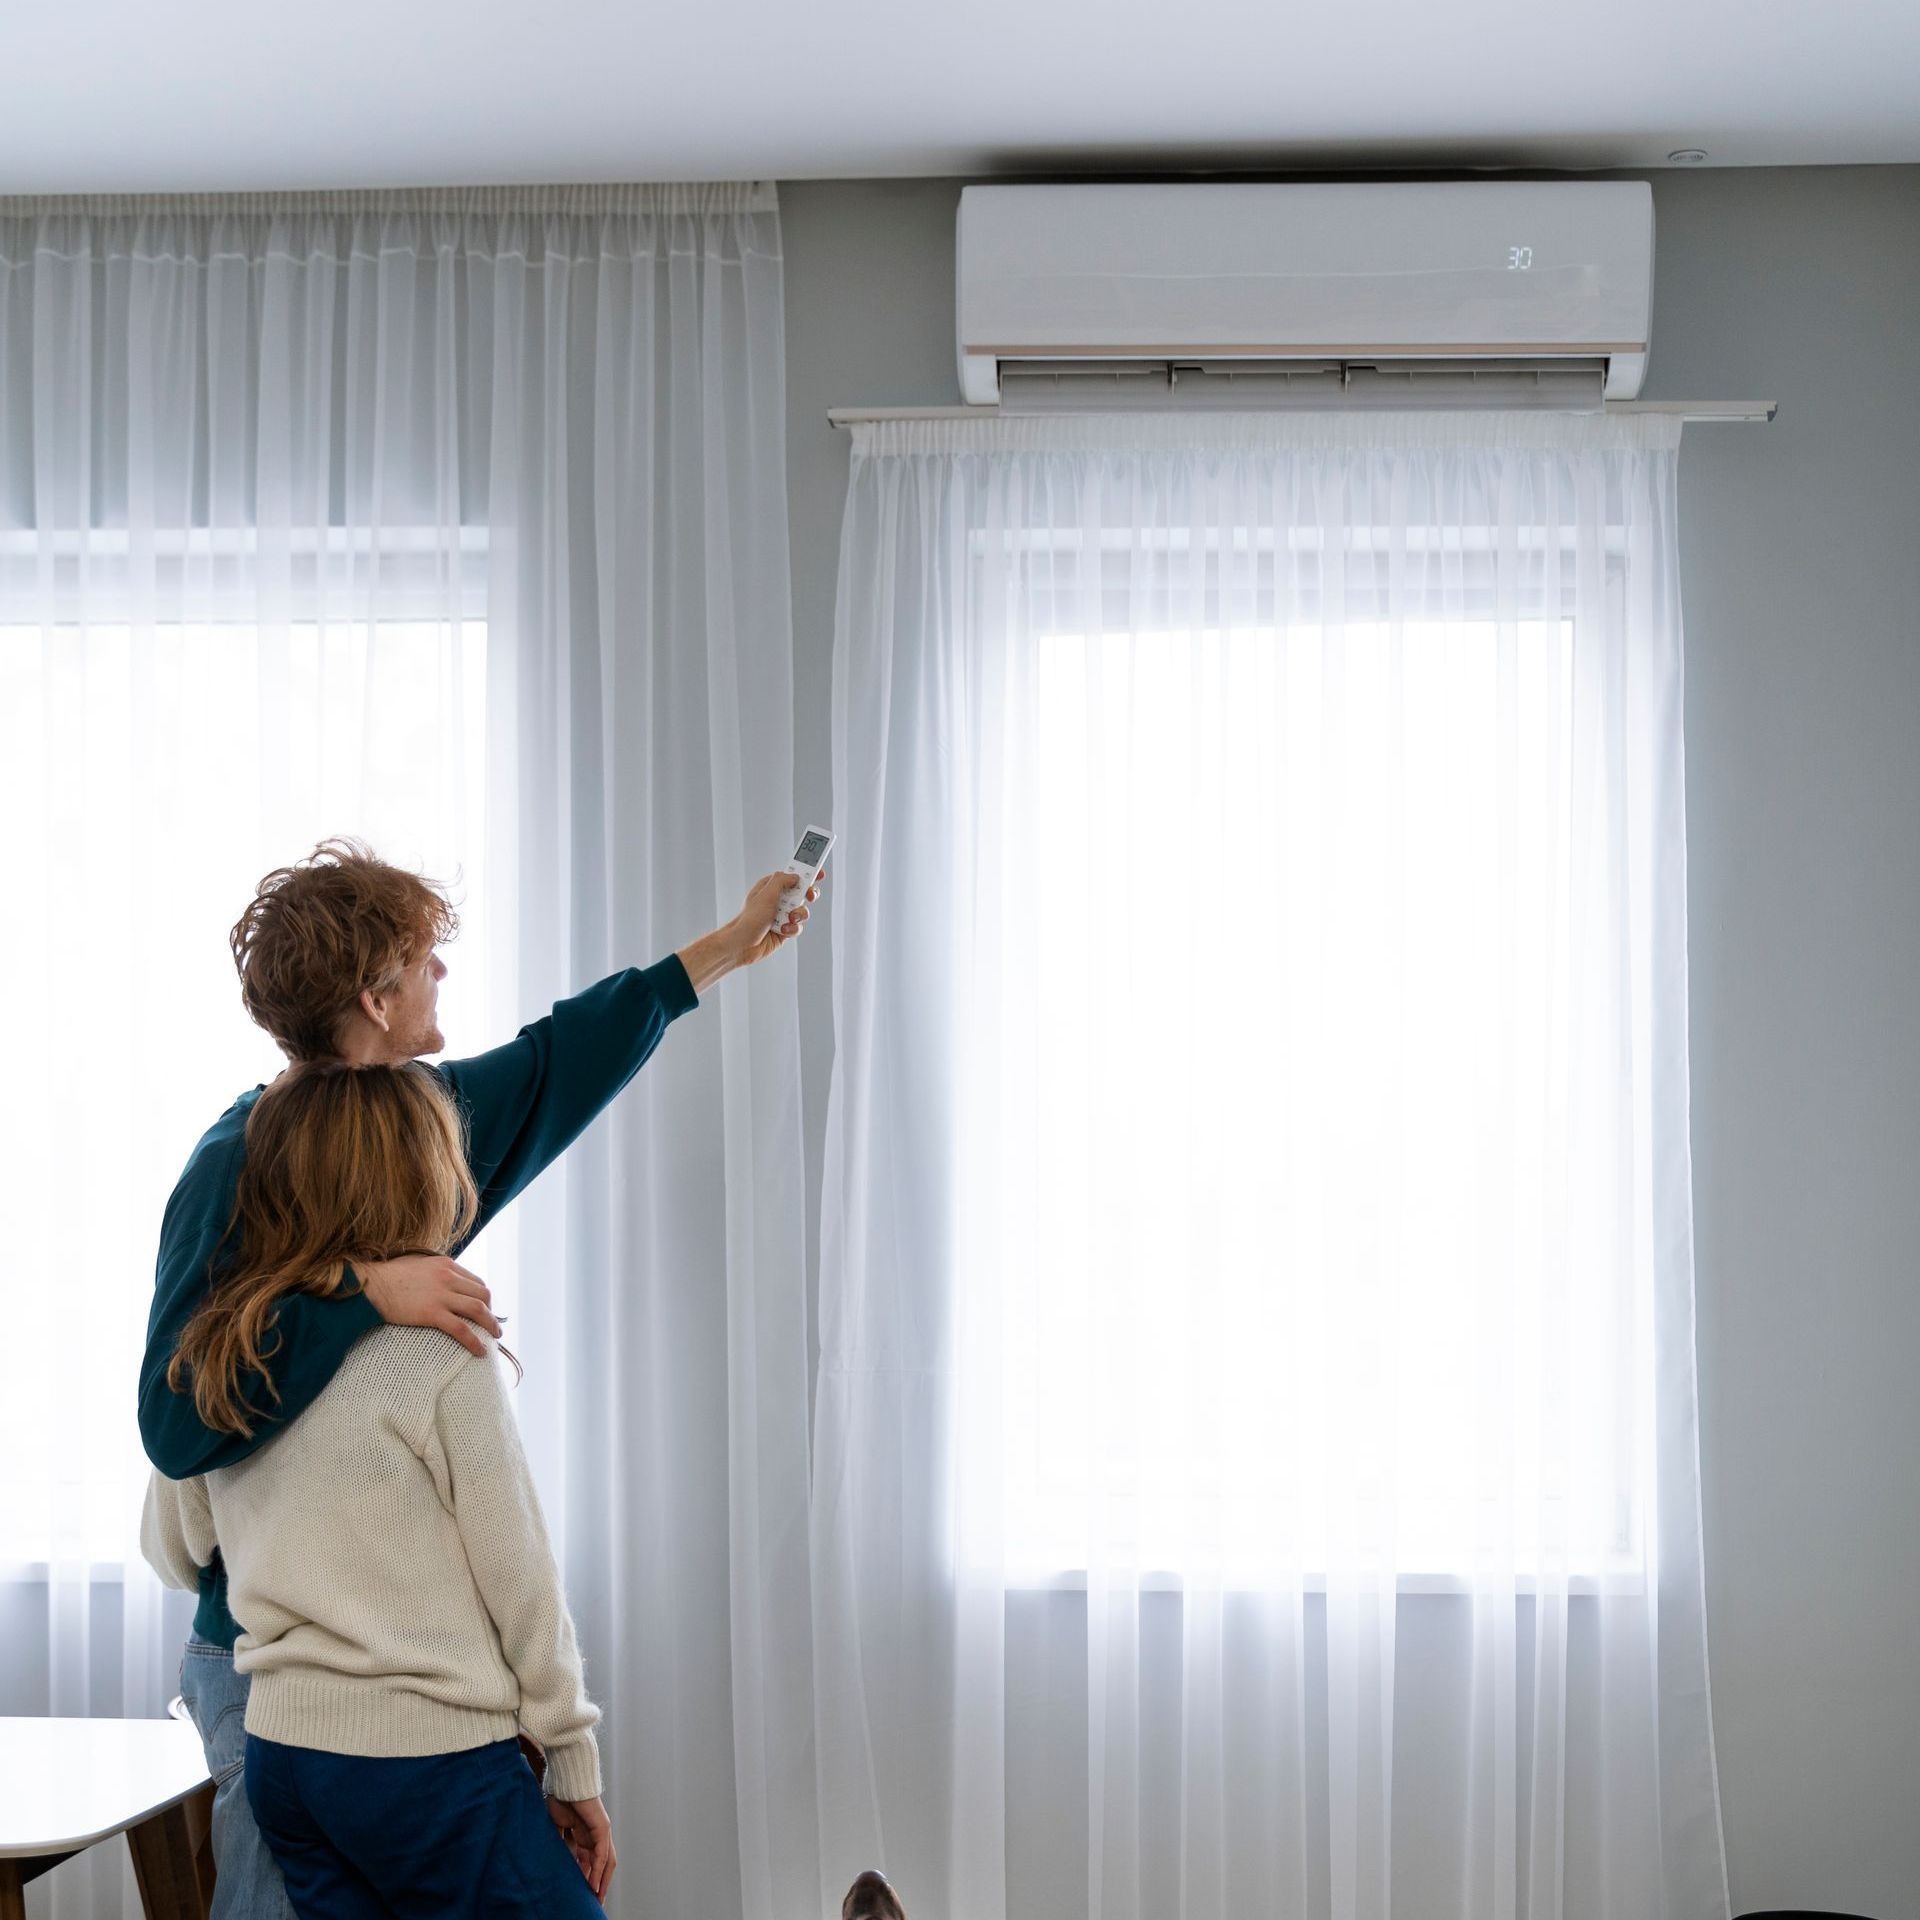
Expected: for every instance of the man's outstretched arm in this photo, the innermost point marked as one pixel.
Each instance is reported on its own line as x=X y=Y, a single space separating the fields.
x=528 y=1101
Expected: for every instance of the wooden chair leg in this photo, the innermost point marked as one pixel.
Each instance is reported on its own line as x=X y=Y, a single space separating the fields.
x=20 y=1868
x=163 y=1865
x=199 y=1812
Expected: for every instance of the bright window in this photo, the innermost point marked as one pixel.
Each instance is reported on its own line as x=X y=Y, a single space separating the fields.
x=1279 y=1272
x=147 y=784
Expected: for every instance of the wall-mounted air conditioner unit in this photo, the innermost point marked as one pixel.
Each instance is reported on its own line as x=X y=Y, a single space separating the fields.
x=1419 y=294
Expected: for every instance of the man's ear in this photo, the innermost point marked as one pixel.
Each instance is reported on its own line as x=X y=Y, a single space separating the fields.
x=374 y=1006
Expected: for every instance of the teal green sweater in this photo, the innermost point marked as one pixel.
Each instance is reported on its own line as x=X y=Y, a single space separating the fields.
x=524 y=1105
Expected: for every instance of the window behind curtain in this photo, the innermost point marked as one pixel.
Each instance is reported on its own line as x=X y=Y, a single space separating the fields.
x=1333 y=1085
x=1273 y=1249
x=149 y=777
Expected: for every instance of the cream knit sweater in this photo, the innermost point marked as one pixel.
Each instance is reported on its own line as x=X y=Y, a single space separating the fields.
x=389 y=1564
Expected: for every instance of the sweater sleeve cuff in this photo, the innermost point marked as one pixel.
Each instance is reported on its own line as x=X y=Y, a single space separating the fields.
x=669 y=979
x=573 y=1771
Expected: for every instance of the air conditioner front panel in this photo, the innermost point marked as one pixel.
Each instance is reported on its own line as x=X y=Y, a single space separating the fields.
x=1433 y=270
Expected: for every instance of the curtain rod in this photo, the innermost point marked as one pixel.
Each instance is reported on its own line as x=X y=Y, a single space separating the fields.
x=1704 y=412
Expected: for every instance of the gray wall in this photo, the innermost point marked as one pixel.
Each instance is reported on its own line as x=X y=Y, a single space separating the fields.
x=1802 y=578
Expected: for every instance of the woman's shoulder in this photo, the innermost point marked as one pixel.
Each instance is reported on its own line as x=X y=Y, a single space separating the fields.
x=414 y=1364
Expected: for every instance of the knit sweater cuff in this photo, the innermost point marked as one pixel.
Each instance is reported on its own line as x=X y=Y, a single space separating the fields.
x=573 y=1771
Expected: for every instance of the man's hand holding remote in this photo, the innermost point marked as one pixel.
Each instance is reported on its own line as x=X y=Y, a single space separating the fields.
x=761 y=927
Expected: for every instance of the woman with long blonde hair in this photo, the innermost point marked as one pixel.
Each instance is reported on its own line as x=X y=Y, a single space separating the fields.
x=386 y=1557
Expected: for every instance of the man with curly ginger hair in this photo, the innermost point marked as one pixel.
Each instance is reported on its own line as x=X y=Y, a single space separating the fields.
x=338 y=959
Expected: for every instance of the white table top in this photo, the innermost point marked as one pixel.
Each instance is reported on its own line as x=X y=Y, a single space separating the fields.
x=66 y=1783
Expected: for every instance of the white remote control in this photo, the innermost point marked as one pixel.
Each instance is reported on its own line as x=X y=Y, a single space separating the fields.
x=808 y=858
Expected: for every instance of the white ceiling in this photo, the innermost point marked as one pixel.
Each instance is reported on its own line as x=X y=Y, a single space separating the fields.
x=128 y=95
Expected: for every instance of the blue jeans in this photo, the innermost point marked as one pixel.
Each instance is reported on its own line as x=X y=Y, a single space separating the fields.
x=248 y=1886
x=445 y=1835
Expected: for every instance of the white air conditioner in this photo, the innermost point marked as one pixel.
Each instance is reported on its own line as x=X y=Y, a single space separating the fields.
x=1421 y=294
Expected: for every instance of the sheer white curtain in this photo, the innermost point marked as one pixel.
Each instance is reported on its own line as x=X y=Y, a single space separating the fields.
x=1256 y=1461
x=662 y=1290
x=456 y=520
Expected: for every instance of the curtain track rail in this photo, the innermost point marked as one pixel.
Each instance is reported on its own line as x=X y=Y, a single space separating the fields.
x=1694 y=412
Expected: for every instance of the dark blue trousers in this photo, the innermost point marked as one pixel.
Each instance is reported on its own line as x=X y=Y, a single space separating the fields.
x=447 y=1835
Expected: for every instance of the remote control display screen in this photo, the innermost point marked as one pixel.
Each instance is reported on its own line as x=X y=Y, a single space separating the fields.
x=812 y=850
